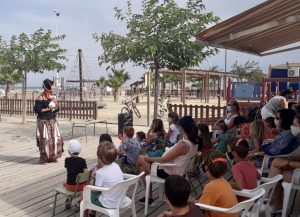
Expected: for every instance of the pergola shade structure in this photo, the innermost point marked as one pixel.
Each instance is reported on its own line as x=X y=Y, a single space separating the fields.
x=267 y=26
x=205 y=75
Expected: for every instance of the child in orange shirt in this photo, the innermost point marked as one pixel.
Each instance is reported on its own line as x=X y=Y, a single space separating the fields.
x=217 y=192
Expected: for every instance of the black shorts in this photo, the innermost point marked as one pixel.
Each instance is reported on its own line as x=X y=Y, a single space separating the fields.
x=162 y=174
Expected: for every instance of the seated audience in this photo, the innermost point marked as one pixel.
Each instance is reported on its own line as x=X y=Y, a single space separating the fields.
x=155 y=138
x=177 y=191
x=275 y=104
x=286 y=167
x=184 y=150
x=269 y=128
x=245 y=174
x=287 y=139
x=205 y=143
x=74 y=165
x=105 y=137
x=140 y=137
x=217 y=192
x=173 y=132
x=108 y=175
x=129 y=151
x=221 y=141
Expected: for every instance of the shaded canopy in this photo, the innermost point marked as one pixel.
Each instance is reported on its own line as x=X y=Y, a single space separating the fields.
x=267 y=26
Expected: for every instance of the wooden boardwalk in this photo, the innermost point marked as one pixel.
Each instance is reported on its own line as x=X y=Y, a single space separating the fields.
x=26 y=187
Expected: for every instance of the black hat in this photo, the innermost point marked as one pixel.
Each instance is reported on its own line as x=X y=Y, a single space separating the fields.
x=47 y=83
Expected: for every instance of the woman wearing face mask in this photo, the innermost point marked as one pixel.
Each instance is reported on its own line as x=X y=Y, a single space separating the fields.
x=173 y=133
x=48 y=137
x=233 y=110
x=288 y=138
x=286 y=167
x=184 y=149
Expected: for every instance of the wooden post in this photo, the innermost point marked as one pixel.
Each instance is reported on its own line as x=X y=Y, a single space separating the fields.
x=24 y=87
x=268 y=91
x=224 y=87
x=80 y=73
x=183 y=86
x=229 y=90
x=148 y=97
x=207 y=93
x=263 y=90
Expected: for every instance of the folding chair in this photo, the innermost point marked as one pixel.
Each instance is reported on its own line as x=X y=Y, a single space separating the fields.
x=124 y=203
x=242 y=207
x=195 y=172
x=268 y=184
x=70 y=195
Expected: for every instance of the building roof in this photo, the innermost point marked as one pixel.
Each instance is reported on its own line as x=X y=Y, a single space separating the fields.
x=267 y=26
x=286 y=66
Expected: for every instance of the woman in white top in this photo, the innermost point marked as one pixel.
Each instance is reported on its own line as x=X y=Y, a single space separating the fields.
x=233 y=110
x=275 y=104
x=173 y=132
x=184 y=149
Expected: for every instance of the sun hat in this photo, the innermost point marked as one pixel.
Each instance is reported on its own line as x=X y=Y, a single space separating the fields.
x=74 y=146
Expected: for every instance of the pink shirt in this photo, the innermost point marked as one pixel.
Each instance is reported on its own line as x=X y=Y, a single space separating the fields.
x=247 y=172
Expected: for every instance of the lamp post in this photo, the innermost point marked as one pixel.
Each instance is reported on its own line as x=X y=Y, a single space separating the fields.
x=57 y=83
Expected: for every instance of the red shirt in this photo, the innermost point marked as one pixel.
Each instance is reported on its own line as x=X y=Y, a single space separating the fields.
x=247 y=172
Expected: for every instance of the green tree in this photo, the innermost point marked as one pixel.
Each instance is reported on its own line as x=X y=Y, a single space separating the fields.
x=116 y=79
x=102 y=83
x=8 y=76
x=249 y=71
x=158 y=37
x=35 y=53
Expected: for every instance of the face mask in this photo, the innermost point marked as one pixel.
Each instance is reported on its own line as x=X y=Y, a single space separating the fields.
x=295 y=130
x=228 y=108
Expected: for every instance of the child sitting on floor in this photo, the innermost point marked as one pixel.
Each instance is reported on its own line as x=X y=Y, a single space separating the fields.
x=108 y=175
x=245 y=174
x=217 y=192
x=74 y=165
x=129 y=151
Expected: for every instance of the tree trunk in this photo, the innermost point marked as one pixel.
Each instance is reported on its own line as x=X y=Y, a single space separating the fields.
x=115 y=94
x=156 y=83
x=24 y=87
x=7 y=91
x=101 y=92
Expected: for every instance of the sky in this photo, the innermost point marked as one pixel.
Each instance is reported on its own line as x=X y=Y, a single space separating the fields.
x=79 y=19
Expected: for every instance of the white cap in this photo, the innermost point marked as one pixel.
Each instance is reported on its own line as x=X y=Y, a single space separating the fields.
x=74 y=146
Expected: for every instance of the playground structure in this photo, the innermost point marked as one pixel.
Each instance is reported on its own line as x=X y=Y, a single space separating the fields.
x=213 y=85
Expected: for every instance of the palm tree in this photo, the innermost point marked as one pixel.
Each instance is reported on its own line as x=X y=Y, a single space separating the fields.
x=102 y=83
x=9 y=78
x=116 y=79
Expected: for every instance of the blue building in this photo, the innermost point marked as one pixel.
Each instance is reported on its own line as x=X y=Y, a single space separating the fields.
x=288 y=70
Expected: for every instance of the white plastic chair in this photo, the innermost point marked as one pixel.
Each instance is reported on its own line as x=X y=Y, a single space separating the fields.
x=125 y=202
x=244 y=206
x=287 y=188
x=154 y=178
x=268 y=184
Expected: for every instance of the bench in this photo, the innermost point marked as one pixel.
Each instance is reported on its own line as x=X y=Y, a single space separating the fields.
x=88 y=122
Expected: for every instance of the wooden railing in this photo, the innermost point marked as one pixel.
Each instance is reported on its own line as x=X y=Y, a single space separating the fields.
x=201 y=113
x=68 y=108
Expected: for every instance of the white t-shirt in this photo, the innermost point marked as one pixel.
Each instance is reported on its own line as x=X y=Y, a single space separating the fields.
x=108 y=176
x=174 y=134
